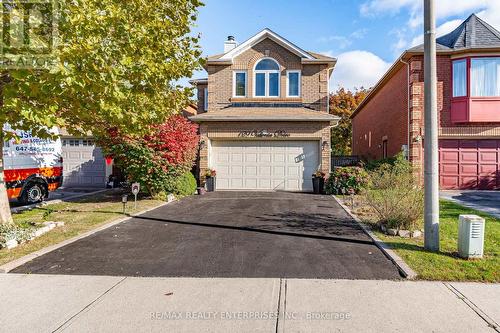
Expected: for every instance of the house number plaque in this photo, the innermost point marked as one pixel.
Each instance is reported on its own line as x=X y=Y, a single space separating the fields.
x=263 y=134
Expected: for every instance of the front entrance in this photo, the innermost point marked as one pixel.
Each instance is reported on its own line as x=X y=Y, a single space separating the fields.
x=469 y=164
x=265 y=165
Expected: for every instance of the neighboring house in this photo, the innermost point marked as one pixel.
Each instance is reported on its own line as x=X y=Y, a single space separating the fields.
x=390 y=119
x=263 y=115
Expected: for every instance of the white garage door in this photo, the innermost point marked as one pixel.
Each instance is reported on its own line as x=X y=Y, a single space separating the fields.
x=265 y=165
x=83 y=164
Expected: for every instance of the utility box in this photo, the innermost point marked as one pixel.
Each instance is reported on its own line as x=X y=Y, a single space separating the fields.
x=471 y=236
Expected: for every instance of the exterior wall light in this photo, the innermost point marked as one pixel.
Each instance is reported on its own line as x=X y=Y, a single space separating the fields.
x=203 y=144
x=325 y=145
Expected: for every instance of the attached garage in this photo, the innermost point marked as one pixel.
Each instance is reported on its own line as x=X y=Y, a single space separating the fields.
x=265 y=165
x=83 y=163
x=469 y=164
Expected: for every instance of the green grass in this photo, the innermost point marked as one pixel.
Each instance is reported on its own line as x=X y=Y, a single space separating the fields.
x=445 y=265
x=78 y=216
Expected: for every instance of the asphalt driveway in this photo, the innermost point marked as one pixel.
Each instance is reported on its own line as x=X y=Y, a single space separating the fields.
x=485 y=201
x=228 y=234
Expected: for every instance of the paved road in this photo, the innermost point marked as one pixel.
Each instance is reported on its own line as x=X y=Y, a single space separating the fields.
x=485 y=201
x=228 y=234
x=56 y=303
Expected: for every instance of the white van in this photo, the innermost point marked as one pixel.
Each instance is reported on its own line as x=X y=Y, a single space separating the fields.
x=32 y=166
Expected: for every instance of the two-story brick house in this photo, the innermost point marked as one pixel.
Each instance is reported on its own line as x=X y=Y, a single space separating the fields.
x=390 y=119
x=263 y=115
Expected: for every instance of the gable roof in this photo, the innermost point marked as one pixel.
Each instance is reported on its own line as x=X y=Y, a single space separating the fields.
x=307 y=57
x=473 y=33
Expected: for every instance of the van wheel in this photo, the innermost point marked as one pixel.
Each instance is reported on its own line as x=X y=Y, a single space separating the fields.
x=33 y=193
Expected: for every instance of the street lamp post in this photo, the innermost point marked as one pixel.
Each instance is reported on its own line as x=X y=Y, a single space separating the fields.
x=431 y=157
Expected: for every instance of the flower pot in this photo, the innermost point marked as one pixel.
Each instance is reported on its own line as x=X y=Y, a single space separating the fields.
x=210 y=184
x=318 y=185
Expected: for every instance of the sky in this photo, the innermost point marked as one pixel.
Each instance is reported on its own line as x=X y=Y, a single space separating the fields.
x=366 y=36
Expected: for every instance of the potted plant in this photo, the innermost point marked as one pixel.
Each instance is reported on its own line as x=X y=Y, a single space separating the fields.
x=318 y=179
x=210 y=180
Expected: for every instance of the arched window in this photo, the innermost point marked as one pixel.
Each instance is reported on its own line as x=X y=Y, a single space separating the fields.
x=267 y=78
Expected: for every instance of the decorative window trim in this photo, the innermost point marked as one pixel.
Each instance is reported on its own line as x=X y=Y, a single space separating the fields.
x=234 y=83
x=266 y=74
x=288 y=82
x=205 y=99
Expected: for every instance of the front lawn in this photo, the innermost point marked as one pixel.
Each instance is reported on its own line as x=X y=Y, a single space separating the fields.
x=445 y=265
x=79 y=216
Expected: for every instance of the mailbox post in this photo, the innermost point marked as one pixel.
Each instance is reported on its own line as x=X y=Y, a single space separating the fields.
x=136 y=187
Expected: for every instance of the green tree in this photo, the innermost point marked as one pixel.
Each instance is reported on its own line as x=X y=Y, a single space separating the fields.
x=343 y=103
x=117 y=65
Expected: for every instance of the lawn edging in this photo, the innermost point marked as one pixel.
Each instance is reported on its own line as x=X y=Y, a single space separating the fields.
x=5 y=268
x=402 y=266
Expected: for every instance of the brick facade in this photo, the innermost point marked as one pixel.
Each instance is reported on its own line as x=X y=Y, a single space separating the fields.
x=385 y=115
x=314 y=78
x=313 y=96
x=383 y=119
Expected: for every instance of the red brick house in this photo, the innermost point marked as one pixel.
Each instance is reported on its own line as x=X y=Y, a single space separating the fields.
x=390 y=119
x=263 y=114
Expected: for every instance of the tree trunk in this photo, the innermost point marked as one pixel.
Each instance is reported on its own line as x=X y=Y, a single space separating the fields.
x=5 y=216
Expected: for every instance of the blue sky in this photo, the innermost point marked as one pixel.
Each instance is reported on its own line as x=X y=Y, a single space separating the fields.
x=366 y=36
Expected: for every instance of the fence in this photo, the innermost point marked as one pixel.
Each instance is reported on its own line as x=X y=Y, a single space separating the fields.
x=343 y=161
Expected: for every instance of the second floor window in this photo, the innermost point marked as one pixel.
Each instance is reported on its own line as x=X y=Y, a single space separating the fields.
x=482 y=73
x=267 y=78
x=293 y=83
x=460 y=78
x=240 y=84
x=485 y=77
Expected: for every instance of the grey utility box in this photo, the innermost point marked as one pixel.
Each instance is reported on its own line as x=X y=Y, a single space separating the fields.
x=471 y=236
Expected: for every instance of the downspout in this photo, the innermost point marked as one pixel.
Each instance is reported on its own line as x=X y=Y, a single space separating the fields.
x=408 y=138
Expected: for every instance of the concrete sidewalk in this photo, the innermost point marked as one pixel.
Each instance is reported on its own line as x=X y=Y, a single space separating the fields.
x=47 y=303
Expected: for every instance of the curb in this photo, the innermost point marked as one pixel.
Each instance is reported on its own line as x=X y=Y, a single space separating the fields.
x=402 y=266
x=21 y=261
x=55 y=201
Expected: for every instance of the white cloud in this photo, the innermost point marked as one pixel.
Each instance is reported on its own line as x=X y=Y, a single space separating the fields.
x=343 y=42
x=441 y=30
x=356 y=69
x=446 y=10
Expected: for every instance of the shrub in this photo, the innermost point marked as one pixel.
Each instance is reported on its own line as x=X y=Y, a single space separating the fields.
x=159 y=160
x=394 y=195
x=185 y=184
x=346 y=180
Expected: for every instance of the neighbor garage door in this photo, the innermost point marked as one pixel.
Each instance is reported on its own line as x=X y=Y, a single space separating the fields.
x=265 y=165
x=84 y=164
x=469 y=164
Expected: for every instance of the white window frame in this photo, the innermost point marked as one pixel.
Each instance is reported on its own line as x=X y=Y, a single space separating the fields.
x=266 y=84
x=205 y=99
x=234 y=83
x=288 y=82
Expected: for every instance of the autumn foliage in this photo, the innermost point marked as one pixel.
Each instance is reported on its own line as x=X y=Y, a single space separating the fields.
x=343 y=103
x=161 y=160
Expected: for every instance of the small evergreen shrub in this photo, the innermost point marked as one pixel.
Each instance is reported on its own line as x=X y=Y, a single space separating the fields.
x=185 y=184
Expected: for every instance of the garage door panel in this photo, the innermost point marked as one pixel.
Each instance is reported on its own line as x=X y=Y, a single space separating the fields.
x=265 y=165
x=466 y=156
x=450 y=168
x=468 y=169
x=478 y=167
x=450 y=156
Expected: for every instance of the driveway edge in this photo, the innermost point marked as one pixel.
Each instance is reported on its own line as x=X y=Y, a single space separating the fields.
x=402 y=266
x=21 y=261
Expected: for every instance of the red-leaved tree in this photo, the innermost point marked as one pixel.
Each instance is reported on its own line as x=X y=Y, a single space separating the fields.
x=161 y=160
